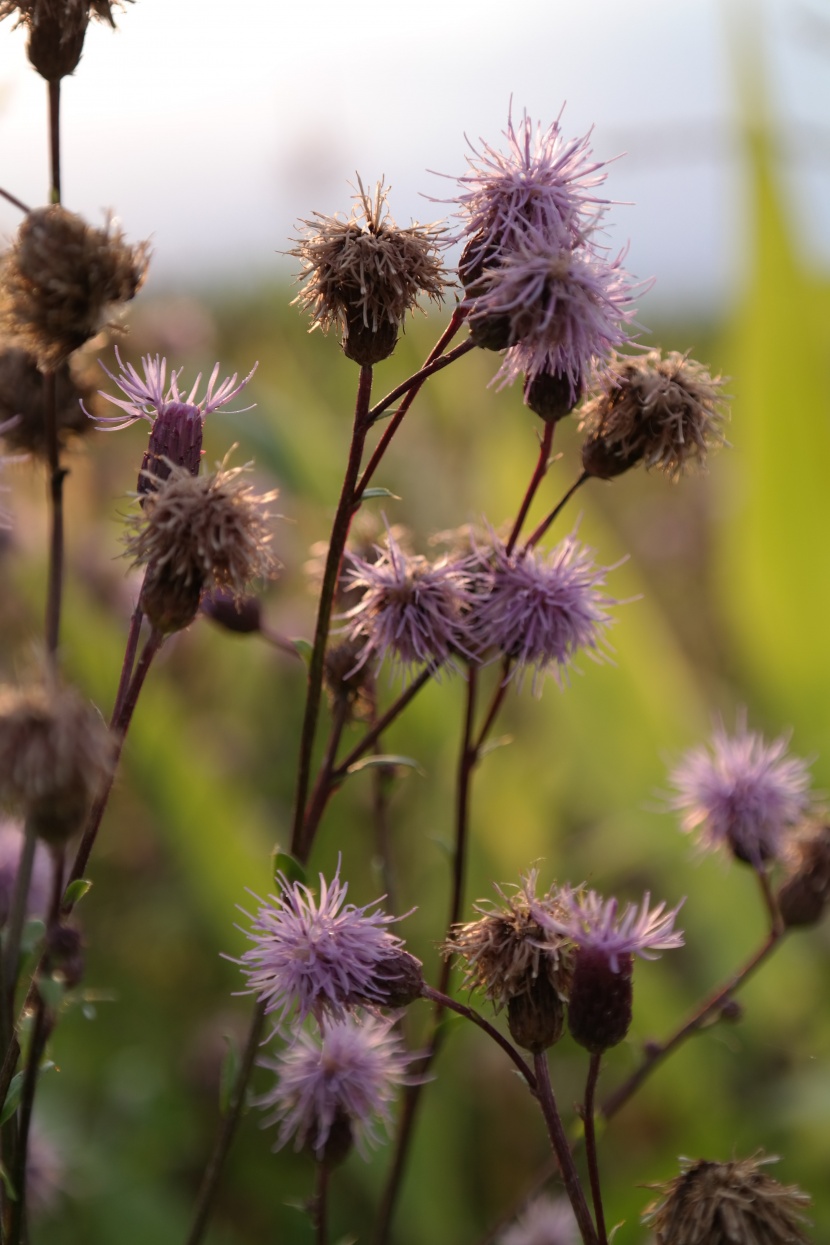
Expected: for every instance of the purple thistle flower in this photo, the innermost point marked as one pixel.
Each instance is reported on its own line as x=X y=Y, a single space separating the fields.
x=412 y=610
x=560 y=310
x=349 y=1074
x=741 y=793
x=541 y=182
x=319 y=955
x=546 y=1221
x=593 y=924
x=148 y=398
x=543 y=609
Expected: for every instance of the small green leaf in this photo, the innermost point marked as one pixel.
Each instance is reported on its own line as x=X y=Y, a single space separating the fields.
x=287 y=869
x=75 y=892
x=368 y=493
x=12 y=1097
x=89 y=1011
x=385 y=760
x=502 y=742
x=228 y=1075
x=304 y=647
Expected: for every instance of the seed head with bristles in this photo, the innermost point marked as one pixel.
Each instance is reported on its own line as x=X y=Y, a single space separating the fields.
x=61 y=281
x=364 y=274
x=196 y=533
x=23 y=402
x=734 y=1203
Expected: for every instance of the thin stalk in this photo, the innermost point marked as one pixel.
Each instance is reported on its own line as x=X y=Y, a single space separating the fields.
x=446 y=1003
x=129 y=661
x=14 y=201
x=554 y=514
x=381 y=784
x=119 y=729
x=323 y=786
x=17 y=919
x=562 y=1150
x=227 y=1131
x=321 y=1204
x=545 y=443
x=55 y=141
x=410 y=389
x=337 y=543
x=436 y=355
x=495 y=705
x=373 y=734
x=770 y=902
x=57 y=475
x=589 y=1119
x=657 y=1053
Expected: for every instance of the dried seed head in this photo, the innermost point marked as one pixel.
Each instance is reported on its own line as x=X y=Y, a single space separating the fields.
x=364 y=274
x=727 y=1204
x=62 y=279
x=197 y=533
x=54 y=753
x=56 y=33
x=536 y=1017
x=22 y=399
x=506 y=950
x=664 y=412
x=805 y=891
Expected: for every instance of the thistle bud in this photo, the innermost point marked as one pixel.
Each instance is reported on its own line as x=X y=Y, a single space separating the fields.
x=536 y=1017
x=175 y=440
x=551 y=395
x=804 y=893
x=398 y=981
x=600 y=1003
x=243 y=616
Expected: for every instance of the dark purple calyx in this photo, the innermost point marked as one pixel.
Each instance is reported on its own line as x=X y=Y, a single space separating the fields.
x=176 y=437
x=599 y=1008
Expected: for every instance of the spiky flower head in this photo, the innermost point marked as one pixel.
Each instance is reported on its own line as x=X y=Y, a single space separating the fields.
x=23 y=405
x=542 y=183
x=55 y=751
x=516 y=963
x=546 y=1221
x=664 y=412
x=11 y=847
x=741 y=793
x=364 y=274
x=542 y=609
x=600 y=1003
x=322 y=956
x=62 y=280
x=177 y=417
x=558 y=310
x=411 y=609
x=337 y=1087
x=733 y=1203
x=197 y=533
x=56 y=30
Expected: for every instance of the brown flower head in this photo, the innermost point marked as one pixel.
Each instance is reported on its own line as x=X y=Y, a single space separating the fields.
x=506 y=949
x=196 y=533
x=805 y=891
x=664 y=412
x=56 y=30
x=54 y=752
x=733 y=1203
x=22 y=400
x=364 y=274
x=62 y=279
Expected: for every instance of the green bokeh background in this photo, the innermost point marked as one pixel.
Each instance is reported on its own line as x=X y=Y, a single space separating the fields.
x=727 y=596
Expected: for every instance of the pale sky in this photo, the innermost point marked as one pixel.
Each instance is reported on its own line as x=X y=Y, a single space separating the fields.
x=212 y=127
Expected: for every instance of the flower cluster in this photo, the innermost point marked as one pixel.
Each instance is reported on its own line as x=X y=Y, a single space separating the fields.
x=538 y=284
x=324 y=958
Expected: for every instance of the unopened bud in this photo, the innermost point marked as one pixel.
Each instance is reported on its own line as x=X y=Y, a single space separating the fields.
x=399 y=979
x=243 y=616
x=176 y=437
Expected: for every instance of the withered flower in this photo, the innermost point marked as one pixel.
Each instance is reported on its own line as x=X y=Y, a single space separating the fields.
x=666 y=413
x=364 y=274
x=196 y=533
x=732 y=1203
x=61 y=281
x=22 y=401
x=54 y=753
x=56 y=30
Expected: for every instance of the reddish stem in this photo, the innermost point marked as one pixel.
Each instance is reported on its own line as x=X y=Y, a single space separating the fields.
x=545 y=443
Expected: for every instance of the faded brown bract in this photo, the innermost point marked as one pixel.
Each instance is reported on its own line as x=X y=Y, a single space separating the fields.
x=506 y=950
x=196 y=533
x=55 y=751
x=62 y=281
x=364 y=274
x=667 y=413
x=22 y=400
x=733 y=1203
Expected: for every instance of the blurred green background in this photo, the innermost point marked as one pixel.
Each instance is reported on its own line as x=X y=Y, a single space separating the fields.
x=727 y=598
